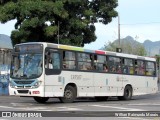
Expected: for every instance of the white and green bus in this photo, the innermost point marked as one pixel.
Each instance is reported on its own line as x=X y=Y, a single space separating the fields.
x=46 y=70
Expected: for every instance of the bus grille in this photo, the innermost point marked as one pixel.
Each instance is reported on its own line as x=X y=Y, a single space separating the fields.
x=20 y=87
x=24 y=82
x=23 y=91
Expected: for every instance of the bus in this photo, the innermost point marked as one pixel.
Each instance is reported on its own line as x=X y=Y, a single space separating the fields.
x=45 y=70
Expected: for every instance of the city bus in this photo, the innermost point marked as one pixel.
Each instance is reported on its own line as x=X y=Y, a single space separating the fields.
x=45 y=70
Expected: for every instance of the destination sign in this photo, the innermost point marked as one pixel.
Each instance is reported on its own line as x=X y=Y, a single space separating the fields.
x=29 y=48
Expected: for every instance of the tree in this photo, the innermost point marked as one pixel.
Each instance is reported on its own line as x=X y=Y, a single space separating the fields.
x=128 y=46
x=41 y=20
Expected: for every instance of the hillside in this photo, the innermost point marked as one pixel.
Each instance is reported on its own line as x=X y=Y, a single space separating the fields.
x=152 y=48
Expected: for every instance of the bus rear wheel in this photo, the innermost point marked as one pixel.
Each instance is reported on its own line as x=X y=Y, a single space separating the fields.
x=41 y=99
x=127 y=94
x=69 y=95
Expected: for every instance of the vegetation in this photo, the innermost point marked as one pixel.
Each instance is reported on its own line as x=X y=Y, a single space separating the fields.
x=42 y=20
x=128 y=46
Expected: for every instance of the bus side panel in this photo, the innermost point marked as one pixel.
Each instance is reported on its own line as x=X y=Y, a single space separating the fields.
x=85 y=85
x=53 y=86
x=107 y=84
x=138 y=84
x=82 y=80
x=152 y=86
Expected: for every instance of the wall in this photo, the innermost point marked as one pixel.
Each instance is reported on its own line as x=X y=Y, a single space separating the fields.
x=5 y=61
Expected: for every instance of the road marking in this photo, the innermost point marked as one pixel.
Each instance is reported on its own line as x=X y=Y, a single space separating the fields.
x=18 y=108
x=62 y=107
x=43 y=108
x=5 y=107
x=68 y=109
x=121 y=108
x=134 y=118
x=144 y=104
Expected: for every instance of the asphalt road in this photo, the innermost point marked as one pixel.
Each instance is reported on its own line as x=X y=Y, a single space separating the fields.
x=86 y=108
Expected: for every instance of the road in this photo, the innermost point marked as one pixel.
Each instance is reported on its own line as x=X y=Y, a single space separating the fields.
x=85 y=107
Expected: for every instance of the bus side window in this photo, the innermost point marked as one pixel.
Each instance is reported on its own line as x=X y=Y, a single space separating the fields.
x=150 y=69
x=55 y=60
x=139 y=67
x=69 y=60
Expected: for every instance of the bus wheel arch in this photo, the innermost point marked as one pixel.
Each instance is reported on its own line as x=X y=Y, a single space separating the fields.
x=70 y=93
x=127 y=94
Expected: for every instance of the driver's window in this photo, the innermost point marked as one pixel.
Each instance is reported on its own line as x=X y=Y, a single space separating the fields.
x=53 y=60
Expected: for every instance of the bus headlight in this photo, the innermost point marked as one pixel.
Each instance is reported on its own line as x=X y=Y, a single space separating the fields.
x=37 y=84
x=11 y=85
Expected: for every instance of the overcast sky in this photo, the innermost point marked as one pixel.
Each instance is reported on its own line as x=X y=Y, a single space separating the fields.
x=137 y=18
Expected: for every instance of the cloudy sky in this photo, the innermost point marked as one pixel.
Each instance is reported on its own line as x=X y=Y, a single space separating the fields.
x=139 y=18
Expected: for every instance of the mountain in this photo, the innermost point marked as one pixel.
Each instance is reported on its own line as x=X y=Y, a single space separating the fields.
x=152 y=48
x=5 y=42
x=130 y=40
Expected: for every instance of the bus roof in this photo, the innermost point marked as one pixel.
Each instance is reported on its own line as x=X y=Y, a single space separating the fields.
x=102 y=52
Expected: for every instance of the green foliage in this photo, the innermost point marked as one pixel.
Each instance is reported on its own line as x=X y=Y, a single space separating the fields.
x=37 y=20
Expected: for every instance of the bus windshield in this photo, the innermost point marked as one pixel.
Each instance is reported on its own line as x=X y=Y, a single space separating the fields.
x=26 y=66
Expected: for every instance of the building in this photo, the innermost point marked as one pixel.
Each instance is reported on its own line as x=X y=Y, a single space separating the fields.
x=5 y=61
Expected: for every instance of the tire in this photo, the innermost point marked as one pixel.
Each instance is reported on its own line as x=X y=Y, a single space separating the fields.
x=101 y=98
x=69 y=95
x=127 y=94
x=41 y=99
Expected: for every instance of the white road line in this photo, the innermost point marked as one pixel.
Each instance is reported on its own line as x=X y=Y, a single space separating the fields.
x=121 y=108
x=21 y=104
x=43 y=108
x=61 y=107
x=36 y=109
x=134 y=118
x=5 y=107
x=144 y=104
x=68 y=109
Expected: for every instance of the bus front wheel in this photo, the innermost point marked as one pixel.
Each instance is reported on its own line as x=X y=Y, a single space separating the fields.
x=127 y=94
x=69 y=95
x=41 y=99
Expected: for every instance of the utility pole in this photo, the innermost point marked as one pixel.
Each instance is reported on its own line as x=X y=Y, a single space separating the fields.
x=119 y=31
x=119 y=49
x=58 y=32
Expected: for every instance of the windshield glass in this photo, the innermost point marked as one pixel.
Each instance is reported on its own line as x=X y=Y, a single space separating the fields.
x=26 y=66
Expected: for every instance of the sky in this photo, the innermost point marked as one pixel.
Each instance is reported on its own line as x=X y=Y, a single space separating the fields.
x=138 y=18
